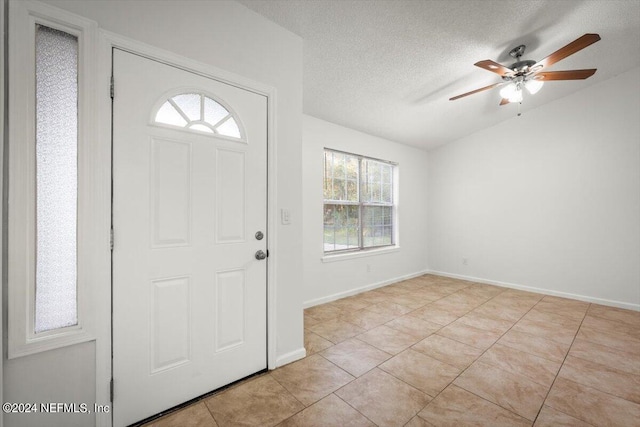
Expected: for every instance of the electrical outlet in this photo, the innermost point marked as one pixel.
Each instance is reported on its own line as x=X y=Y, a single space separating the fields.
x=465 y=261
x=368 y=268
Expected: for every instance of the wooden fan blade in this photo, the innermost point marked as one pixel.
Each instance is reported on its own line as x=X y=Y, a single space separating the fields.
x=504 y=101
x=565 y=75
x=475 y=91
x=573 y=47
x=494 y=67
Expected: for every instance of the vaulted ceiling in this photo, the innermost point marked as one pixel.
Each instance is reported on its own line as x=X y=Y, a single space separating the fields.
x=389 y=67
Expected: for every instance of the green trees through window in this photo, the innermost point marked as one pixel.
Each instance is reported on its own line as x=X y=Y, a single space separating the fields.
x=358 y=202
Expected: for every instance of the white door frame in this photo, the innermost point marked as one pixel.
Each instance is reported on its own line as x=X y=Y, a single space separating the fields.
x=108 y=41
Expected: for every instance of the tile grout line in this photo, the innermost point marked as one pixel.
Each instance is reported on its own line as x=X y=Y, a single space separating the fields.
x=483 y=352
x=471 y=286
x=296 y=399
x=590 y=361
x=470 y=311
x=393 y=355
x=476 y=359
x=462 y=371
x=562 y=365
x=351 y=406
x=520 y=318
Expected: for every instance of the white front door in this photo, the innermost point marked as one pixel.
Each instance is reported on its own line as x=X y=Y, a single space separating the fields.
x=189 y=196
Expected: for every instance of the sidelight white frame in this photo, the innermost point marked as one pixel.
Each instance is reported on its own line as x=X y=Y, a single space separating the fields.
x=24 y=16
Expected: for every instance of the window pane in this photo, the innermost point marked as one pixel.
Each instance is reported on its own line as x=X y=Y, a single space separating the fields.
x=340 y=227
x=169 y=115
x=56 y=178
x=387 y=184
x=352 y=190
x=377 y=182
x=190 y=104
x=386 y=194
x=372 y=180
x=340 y=177
x=213 y=112
x=339 y=189
x=229 y=128
x=351 y=166
x=386 y=174
x=377 y=225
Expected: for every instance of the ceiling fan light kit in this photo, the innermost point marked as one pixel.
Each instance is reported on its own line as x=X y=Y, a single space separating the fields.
x=512 y=92
x=533 y=86
x=528 y=74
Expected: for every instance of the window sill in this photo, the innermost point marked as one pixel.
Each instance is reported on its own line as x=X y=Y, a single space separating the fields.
x=59 y=338
x=359 y=254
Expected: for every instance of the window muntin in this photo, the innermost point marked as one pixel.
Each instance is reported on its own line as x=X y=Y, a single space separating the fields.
x=198 y=112
x=56 y=58
x=358 y=202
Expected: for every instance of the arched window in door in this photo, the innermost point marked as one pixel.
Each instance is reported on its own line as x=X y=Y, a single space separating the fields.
x=200 y=113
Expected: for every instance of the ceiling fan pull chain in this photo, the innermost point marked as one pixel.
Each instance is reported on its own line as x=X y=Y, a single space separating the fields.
x=519 y=104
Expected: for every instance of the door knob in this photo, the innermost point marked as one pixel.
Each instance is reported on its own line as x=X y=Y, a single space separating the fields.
x=260 y=255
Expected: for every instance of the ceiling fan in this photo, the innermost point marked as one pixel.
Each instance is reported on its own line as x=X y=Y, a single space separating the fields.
x=529 y=74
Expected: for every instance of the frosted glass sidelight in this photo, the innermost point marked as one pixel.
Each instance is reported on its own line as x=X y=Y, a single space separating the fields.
x=198 y=112
x=56 y=178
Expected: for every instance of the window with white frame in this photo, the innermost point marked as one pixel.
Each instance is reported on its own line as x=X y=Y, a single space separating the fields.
x=359 y=207
x=200 y=113
x=56 y=147
x=50 y=185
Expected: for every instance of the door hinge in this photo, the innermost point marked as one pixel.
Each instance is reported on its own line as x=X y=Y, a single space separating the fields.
x=111 y=90
x=111 y=239
x=111 y=390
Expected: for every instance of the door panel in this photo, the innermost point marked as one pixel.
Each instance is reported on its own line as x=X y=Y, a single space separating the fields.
x=170 y=190
x=170 y=323
x=189 y=297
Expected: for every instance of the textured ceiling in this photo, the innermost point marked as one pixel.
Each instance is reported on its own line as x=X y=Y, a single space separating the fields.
x=388 y=67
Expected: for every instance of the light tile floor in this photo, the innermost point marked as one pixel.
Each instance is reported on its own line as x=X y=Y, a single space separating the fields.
x=434 y=351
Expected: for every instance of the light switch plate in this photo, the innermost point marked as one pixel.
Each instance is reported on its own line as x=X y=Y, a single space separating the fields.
x=285 y=215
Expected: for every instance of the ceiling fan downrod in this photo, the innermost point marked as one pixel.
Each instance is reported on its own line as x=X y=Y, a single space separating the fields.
x=520 y=67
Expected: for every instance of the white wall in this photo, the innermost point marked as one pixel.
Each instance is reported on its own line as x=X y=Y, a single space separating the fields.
x=2 y=224
x=63 y=375
x=229 y=36
x=549 y=200
x=328 y=281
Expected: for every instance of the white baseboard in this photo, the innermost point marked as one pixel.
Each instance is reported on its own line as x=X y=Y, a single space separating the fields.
x=355 y=291
x=292 y=356
x=611 y=303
